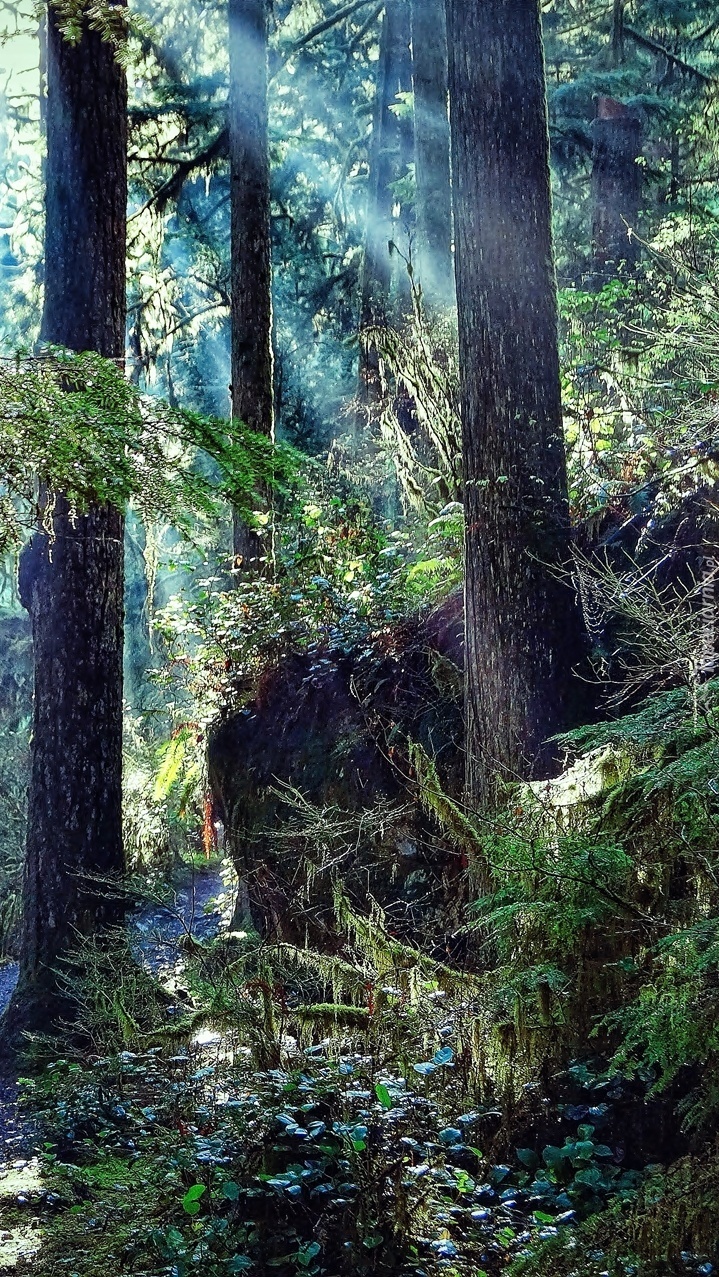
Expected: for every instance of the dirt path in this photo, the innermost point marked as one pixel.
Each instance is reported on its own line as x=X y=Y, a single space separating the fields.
x=23 y=1197
x=11 y=1131
x=157 y=931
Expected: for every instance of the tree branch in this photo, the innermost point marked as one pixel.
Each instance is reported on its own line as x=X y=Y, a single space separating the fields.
x=708 y=30
x=339 y=15
x=172 y=187
x=359 y=37
x=645 y=42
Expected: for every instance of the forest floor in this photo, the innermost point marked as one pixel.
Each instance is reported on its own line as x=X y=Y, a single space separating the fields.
x=25 y=1204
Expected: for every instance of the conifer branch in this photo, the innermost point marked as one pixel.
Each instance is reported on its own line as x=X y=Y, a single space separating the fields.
x=646 y=42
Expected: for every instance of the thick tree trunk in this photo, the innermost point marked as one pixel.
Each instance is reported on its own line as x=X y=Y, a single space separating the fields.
x=432 y=151
x=252 y=401
x=522 y=627
x=389 y=147
x=616 y=186
x=72 y=585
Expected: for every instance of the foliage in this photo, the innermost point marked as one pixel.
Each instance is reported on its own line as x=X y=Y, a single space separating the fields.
x=638 y=372
x=418 y=412
x=74 y=425
x=332 y=1111
x=113 y=22
x=330 y=1145
x=341 y=579
x=671 y=1026
x=115 y=1000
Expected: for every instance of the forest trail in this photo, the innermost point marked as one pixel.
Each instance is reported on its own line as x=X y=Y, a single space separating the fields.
x=158 y=930
x=24 y=1201
x=11 y=1136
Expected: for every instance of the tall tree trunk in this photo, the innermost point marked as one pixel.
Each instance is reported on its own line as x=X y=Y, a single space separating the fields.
x=618 y=32
x=403 y=211
x=432 y=151
x=251 y=272
x=522 y=627
x=387 y=149
x=72 y=585
x=616 y=186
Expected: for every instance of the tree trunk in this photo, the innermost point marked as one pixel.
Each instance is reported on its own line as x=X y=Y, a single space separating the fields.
x=387 y=150
x=432 y=152
x=522 y=625
x=616 y=186
x=252 y=401
x=73 y=585
x=618 y=32
x=403 y=210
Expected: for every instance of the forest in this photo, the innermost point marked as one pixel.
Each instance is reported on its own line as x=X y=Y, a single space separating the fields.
x=359 y=638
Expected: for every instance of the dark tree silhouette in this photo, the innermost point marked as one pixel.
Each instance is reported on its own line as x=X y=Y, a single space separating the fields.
x=616 y=186
x=390 y=149
x=72 y=583
x=432 y=151
x=251 y=270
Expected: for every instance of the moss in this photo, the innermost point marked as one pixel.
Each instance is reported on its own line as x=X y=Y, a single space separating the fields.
x=103 y=1225
x=332 y=1015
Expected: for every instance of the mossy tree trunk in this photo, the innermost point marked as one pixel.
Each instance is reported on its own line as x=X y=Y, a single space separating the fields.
x=523 y=629
x=251 y=248
x=72 y=583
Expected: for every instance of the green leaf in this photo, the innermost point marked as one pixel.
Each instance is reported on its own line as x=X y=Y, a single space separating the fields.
x=308 y=1253
x=528 y=1157
x=372 y=1241
x=593 y=1177
x=383 y=1095
x=191 y=1200
x=583 y=1151
x=541 y=1217
x=174 y=757
x=553 y=1156
x=231 y=1191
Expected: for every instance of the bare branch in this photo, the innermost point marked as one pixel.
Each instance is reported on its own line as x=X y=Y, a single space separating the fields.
x=326 y=24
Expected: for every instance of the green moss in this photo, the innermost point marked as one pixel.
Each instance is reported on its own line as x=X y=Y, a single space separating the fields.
x=103 y=1225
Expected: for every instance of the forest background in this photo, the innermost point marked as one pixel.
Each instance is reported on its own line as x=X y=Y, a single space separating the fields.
x=452 y=1004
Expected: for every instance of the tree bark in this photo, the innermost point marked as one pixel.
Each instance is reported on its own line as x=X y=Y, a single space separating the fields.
x=72 y=584
x=251 y=271
x=616 y=186
x=388 y=148
x=432 y=151
x=523 y=629
x=618 y=32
